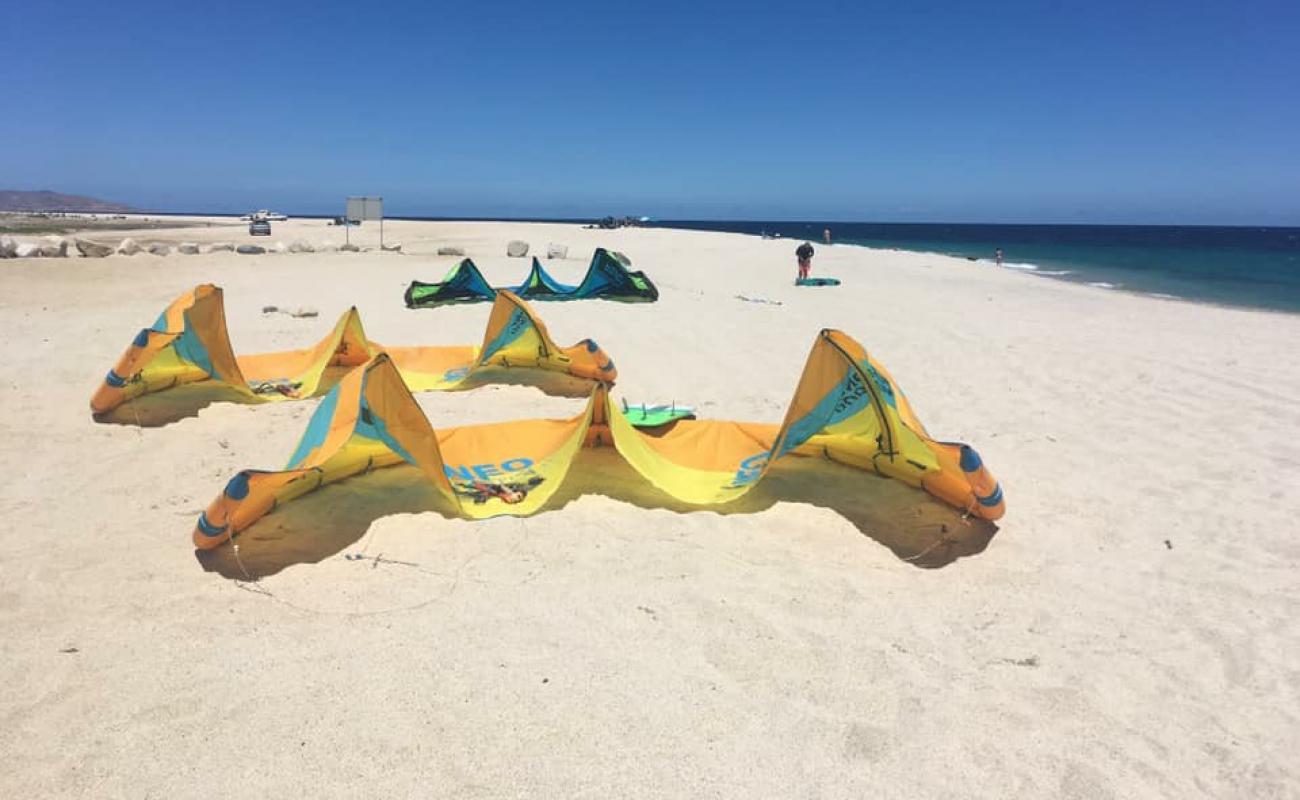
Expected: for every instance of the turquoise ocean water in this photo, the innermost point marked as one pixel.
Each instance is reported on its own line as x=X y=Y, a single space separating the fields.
x=1251 y=267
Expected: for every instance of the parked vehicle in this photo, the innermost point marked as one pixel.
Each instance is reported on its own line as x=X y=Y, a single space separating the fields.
x=263 y=214
x=345 y=221
x=259 y=227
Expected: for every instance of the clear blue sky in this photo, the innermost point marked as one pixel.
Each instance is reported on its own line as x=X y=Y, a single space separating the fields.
x=985 y=112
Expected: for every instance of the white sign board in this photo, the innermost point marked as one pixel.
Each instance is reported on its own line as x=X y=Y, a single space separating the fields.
x=365 y=208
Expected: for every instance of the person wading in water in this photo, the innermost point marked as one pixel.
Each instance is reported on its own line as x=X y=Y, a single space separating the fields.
x=804 y=254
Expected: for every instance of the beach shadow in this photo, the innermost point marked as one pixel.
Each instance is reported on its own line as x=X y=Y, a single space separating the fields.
x=916 y=528
x=172 y=405
x=187 y=400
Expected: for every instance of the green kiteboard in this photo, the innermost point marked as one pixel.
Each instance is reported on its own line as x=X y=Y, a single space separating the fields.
x=645 y=416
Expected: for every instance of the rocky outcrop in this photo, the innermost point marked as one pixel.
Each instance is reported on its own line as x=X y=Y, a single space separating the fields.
x=557 y=250
x=160 y=249
x=8 y=247
x=250 y=249
x=27 y=250
x=517 y=249
x=91 y=249
x=128 y=247
x=299 y=246
x=188 y=248
x=451 y=251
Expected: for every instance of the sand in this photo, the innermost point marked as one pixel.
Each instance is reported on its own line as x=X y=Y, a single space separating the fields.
x=1130 y=630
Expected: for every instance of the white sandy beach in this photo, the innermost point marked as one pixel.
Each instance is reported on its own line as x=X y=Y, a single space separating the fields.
x=1131 y=630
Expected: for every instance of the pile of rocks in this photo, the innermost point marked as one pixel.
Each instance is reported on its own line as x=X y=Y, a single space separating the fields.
x=61 y=247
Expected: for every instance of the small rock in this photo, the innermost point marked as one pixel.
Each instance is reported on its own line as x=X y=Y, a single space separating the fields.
x=304 y=311
x=349 y=248
x=54 y=247
x=451 y=251
x=221 y=247
x=299 y=246
x=93 y=249
x=250 y=249
x=27 y=250
x=557 y=250
x=517 y=249
x=395 y=247
x=279 y=247
x=188 y=248
x=8 y=246
x=270 y=309
x=160 y=249
x=128 y=247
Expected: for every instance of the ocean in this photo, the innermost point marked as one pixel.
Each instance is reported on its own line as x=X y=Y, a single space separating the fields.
x=1239 y=266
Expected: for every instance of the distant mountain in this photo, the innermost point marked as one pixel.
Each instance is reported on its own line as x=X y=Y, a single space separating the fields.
x=16 y=200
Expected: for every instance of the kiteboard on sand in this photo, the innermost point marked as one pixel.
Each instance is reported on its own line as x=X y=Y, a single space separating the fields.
x=644 y=416
x=817 y=282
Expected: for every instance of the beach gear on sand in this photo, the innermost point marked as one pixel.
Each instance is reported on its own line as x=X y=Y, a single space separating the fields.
x=817 y=282
x=846 y=408
x=189 y=344
x=607 y=278
x=643 y=416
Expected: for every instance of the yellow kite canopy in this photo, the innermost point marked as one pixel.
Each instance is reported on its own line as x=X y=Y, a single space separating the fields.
x=189 y=343
x=846 y=408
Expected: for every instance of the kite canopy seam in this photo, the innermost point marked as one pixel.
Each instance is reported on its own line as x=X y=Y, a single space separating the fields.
x=189 y=343
x=607 y=278
x=846 y=408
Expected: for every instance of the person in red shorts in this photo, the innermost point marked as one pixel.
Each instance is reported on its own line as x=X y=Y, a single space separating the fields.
x=804 y=254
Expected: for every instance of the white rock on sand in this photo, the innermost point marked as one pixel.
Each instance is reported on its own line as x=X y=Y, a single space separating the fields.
x=160 y=249
x=279 y=247
x=451 y=251
x=557 y=250
x=8 y=246
x=188 y=248
x=221 y=247
x=91 y=249
x=27 y=250
x=517 y=249
x=54 y=247
x=301 y=246
x=1130 y=630
x=328 y=247
x=128 y=247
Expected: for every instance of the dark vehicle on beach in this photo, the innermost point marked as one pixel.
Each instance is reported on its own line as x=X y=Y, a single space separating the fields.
x=259 y=227
x=345 y=221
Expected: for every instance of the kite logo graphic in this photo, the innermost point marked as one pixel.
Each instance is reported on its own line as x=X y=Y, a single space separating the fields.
x=749 y=470
x=510 y=493
x=853 y=389
x=486 y=472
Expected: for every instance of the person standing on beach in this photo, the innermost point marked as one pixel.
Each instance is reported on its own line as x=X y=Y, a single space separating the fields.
x=804 y=254
x=826 y=236
x=997 y=254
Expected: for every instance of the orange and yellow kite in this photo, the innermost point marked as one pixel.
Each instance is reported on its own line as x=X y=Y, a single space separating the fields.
x=846 y=408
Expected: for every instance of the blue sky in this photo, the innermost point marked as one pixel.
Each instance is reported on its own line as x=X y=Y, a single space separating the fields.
x=993 y=112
